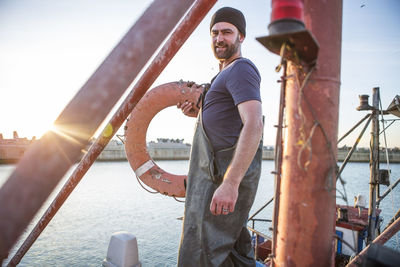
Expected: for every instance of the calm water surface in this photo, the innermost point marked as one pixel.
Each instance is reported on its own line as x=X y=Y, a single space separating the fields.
x=109 y=199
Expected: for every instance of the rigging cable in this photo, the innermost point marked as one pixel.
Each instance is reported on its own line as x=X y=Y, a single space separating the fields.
x=387 y=163
x=279 y=148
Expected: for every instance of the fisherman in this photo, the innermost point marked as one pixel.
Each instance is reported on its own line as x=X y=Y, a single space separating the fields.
x=225 y=161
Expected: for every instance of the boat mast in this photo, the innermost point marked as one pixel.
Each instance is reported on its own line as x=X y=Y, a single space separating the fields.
x=374 y=167
x=307 y=195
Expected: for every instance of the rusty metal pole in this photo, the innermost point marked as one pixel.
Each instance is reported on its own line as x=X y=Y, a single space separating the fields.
x=307 y=199
x=381 y=239
x=170 y=48
x=278 y=158
x=374 y=167
x=46 y=162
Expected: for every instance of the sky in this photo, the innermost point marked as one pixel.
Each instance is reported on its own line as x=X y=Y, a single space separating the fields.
x=49 y=48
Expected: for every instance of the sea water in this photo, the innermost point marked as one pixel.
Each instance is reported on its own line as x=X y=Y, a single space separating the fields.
x=110 y=199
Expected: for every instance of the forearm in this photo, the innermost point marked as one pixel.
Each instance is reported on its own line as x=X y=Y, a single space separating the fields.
x=247 y=145
x=227 y=193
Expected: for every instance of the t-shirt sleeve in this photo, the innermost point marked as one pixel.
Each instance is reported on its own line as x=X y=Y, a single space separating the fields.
x=243 y=82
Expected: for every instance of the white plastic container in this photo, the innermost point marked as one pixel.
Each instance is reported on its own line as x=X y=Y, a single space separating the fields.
x=122 y=251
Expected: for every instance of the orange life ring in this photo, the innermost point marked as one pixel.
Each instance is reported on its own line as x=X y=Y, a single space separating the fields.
x=145 y=168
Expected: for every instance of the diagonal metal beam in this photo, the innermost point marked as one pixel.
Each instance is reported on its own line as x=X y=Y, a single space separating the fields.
x=381 y=239
x=170 y=48
x=47 y=161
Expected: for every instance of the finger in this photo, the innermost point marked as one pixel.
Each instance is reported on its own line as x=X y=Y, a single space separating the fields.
x=186 y=107
x=225 y=210
x=219 y=209
x=187 y=104
x=232 y=208
x=183 y=106
x=213 y=207
x=188 y=110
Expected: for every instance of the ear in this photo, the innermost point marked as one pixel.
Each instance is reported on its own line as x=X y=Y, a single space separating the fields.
x=241 y=37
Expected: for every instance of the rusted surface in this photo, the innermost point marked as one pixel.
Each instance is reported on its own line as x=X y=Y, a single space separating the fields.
x=154 y=101
x=307 y=199
x=381 y=239
x=177 y=39
x=45 y=163
x=278 y=160
x=374 y=168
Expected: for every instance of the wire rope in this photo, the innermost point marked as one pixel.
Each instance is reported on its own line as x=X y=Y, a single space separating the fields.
x=388 y=165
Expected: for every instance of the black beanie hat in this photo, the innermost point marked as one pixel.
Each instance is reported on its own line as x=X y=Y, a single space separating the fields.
x=232 y=16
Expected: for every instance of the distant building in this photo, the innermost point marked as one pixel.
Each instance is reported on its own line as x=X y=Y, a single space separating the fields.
x=11 y=150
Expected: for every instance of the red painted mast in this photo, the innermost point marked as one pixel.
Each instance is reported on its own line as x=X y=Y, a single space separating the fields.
x=307 y=200
x=305 y=194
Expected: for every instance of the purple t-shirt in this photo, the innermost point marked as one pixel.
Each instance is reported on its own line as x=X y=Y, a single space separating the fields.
x=237 y=83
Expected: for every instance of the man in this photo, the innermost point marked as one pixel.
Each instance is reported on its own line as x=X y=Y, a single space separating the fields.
x=225 y=161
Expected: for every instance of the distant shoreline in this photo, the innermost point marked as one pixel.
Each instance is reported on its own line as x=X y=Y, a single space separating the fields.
x=268 y=154
x=115 y=151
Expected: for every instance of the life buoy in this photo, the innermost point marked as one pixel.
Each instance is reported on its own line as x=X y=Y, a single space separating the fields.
x=152 y=102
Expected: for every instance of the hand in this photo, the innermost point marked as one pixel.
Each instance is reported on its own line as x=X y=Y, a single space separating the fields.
x=188 y=108
x=224 y=199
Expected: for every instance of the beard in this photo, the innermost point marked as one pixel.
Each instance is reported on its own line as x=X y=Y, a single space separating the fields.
x=230 y=49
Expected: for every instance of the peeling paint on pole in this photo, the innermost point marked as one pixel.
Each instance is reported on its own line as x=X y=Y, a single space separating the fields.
x=307 y=199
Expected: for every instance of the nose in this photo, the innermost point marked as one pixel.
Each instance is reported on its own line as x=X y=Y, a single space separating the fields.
x=219 y=38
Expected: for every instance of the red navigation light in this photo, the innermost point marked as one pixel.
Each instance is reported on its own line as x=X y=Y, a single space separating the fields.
x=283 y=9
x=286 y=16
x=287 y=27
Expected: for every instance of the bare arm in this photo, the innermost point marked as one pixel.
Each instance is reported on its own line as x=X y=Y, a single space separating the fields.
x=226 y=194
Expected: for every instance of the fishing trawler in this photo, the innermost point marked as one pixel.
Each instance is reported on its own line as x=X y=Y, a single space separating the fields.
x=359 y=232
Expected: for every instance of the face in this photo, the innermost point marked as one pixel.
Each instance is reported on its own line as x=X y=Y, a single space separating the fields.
x=226 y=40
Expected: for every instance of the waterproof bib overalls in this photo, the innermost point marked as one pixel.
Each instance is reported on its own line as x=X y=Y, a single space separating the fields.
x=207 y=239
